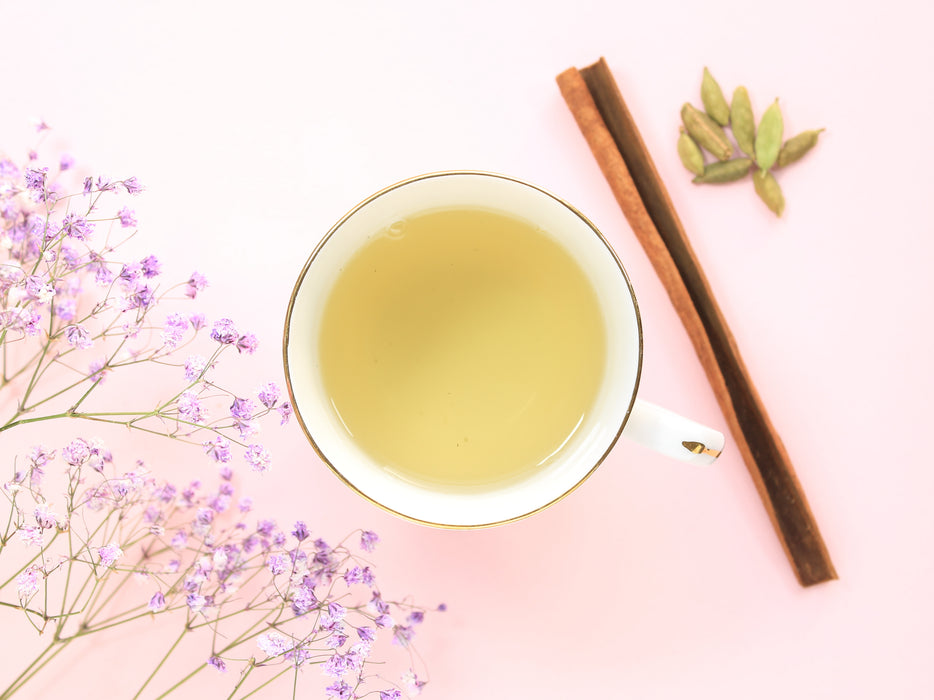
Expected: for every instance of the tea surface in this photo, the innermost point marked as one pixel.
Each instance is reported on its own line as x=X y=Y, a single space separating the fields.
x=462 y=347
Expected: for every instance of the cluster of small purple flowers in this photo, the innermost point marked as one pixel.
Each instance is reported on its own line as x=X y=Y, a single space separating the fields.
x=66 y=300
x=197 y=553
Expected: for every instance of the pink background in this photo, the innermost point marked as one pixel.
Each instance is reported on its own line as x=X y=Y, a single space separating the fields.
x=255 y=127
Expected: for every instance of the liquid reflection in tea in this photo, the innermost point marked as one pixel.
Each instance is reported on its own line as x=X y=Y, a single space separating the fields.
x=462 y=347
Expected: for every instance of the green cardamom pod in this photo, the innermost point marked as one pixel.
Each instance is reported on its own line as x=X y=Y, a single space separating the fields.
x=690 y=153
x=795 y=147
x=743 y=122
x=725 y=171
x=706 y=132
x=768 y=190
x=769 y=136
x=714 y=102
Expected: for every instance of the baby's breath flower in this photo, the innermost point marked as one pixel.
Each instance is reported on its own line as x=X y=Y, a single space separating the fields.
x=31 y=536
x=368 y=540
x=78 y=336
x=194 y=367
x=127 y=217
x=132 y=186
x=64 y=290
x=35 y=179
x=258 y=457
x=77 y=227
x=109 y=554
x=27 y=583
x=174 y=329
x=196 y=283
x=224 y=332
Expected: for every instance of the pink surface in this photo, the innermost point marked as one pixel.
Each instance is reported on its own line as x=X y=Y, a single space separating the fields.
x=255 y=129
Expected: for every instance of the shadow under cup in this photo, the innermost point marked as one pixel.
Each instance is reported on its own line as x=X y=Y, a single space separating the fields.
x=590 y=443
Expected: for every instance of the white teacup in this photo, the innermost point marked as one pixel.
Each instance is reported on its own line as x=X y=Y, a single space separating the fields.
x=616 y=410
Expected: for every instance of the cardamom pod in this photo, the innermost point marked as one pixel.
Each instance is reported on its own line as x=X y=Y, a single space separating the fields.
x=769 y=136
x=725 y=171
x=768 y=190
x=706 y=132
x=714 y=102
x=743 y=122
x=795 y=147
x=690 y=153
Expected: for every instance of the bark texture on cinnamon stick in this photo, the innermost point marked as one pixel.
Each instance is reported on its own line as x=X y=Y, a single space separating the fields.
x=606 y=123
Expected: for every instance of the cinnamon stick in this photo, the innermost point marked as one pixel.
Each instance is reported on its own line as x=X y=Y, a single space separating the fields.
x=606 y=123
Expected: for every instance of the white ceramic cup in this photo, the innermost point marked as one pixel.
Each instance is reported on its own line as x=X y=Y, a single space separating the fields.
x=617 y=411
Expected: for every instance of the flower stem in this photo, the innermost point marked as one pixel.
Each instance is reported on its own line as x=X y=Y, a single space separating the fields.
x=161 y=662
x=243 y=676
x=260 y=687
x=32 y=669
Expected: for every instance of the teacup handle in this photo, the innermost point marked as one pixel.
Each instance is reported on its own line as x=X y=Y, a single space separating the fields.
x=670 y=434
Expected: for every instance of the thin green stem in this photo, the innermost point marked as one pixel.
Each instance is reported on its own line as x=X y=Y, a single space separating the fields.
x=269 y=682
x=28 y=563
x=161 y=662
x=37 y=664
x=243 y=676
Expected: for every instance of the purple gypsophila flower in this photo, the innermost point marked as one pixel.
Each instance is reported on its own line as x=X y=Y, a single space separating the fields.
x=196 y=283
x=225 y=332
x=39 y=289
x=132 y=186
x=300 y=531
x=27 y=583
x=45 y=518
x=76 y=452
x=391 y=694
x=66 y=309
x=30 y=536
x=151 y=267
x=174 y=329
x=78 y=336
x=127 y=217
x=339 y=689
x=285 y=412
x=268 y=394
x=276 y=563
x=97 y=370
x=157 y=602
x=35 y=179
x=258 y=457
x=189 y=407
x=109 y=554
x=130 y=272
x=274 y=644
x=105 y=184
x=303 y=598
x=247 y=343
x=66 y=162
x=77 y=227
x=242 y=409
x=218 y=449
x=413 y=682
x=218 y=663
x=194 y=367
x=368 y=540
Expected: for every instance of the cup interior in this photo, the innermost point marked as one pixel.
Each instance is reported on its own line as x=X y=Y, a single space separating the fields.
x=588 y=446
